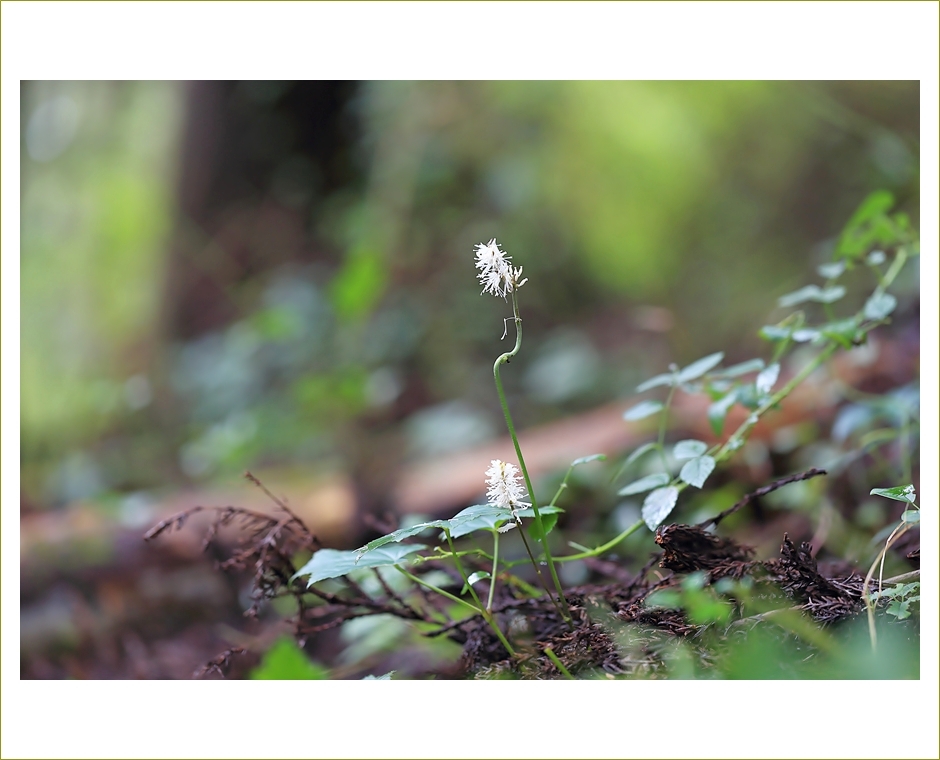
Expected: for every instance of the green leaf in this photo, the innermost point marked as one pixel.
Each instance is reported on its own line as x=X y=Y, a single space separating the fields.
x=899 y=609
x=868 y=225
x=696 y=471
x=832 y=270
x=654 y=382
x=665 y=598
x=642 y=410
x=736 y=370
x=644 y=449
x=812 y=293
x=401 y=535
x=478 y=517
x=587 y=459
x=910 y=516
x=719 y=410
x=879 y=306
x=696 y=369
x=645 y=484
x=331 y=563
x=549 y=521
x=480 y=575
x=875 y=258
x=658 y=505
x=844 y=332
x=285 y=661
x=766 y=379
x=689 y=449
x=898 y=493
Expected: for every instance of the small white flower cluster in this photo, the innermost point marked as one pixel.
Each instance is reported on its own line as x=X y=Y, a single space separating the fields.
x=504 y=488
x=497 y=275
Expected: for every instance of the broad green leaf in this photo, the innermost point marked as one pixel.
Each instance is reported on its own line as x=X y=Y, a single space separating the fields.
x=911 y=516
x=331 y=563
x=549 y=521
x=658 y=505
x=645 y=484
x=695 y=471
x=654 y=382
x=590 y=458
x=401 y=534
x=285 y=661
x=898 y=493
x=736 y=370
x=900 y=609
x=832 y=270
x=478 y=517
x=719 y=410
x=879 y=306
x=696 y=369
x=689 y=449
x=642 y=410
x=766 y=379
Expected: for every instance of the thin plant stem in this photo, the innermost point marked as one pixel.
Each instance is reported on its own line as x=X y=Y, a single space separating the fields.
x=489 y=597
x=486 y=616
x=504 y=358
x=460 y=569
x=558 y=663
x=663 y=422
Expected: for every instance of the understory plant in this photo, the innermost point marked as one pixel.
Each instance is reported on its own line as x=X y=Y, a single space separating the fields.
x=874 y=240
x=468 y=579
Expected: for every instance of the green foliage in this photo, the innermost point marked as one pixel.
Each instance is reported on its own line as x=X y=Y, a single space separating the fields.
x=285 y=661
x=897 y=493
x=331 y=563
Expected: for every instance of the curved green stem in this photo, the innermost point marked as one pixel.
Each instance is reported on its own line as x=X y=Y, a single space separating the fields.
x=504 y=358
x=486 y=615
x=460 y=569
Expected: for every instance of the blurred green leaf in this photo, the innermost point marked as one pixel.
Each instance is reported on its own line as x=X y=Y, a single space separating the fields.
x=642 y=410
x=812 y=293
x=766 y=379
x=718 y=411
x=879 y=306
x=589 y=459
x=285 y=661
x=736 y=370
x=359 y=284
x=656 y=381
x=698 y=368
x=644 y=484
x=832 y=270
x=689 y=448
x=866 y=226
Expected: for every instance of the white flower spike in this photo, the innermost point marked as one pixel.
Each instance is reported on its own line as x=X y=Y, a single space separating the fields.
x=504 y=486
x=497 y=275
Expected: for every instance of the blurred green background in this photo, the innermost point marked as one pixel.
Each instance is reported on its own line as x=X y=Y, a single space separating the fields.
x=220 y=275
x=217 y=276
